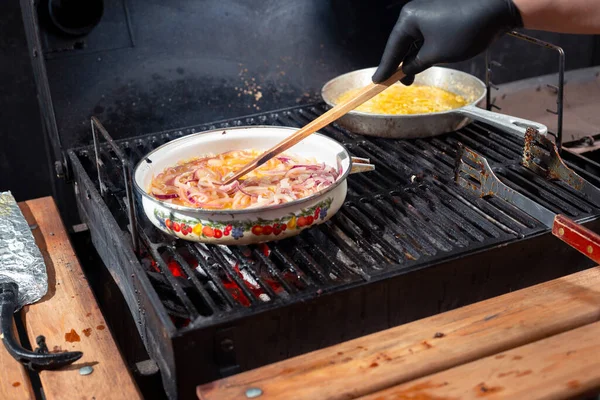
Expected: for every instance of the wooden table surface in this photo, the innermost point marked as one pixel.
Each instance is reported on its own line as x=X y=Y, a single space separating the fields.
x=69 y=317
x=539 y=342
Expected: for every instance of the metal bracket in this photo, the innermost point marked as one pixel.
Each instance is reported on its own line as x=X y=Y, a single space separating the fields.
x=127 y=177
x=559 y=90
x=62 y=169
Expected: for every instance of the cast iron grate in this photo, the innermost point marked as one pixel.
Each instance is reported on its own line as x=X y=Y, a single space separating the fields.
x=406 y=214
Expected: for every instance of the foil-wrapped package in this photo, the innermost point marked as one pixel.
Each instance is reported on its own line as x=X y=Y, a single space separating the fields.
x=20 y=259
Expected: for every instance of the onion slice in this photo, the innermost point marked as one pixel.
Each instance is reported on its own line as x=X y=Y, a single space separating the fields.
x=283 y=179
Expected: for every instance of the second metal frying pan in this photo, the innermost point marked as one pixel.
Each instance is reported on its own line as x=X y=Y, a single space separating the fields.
x=424 y=125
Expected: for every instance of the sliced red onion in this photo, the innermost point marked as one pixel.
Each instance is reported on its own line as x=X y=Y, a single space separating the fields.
x=232 y=187
x=199 y=185
x=165 y=196
x=246 y=193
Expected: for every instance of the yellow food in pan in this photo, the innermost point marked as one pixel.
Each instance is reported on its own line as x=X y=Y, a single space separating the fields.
x=414 y=99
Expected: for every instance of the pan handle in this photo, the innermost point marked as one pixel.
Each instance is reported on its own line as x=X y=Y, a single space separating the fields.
x=361 y=165
x=505 y=122
x=577 y=236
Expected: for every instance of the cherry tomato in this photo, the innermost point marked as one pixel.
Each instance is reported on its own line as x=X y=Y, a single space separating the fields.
x=267 y=230
x=169 y=223
x=309 y=220
x=301 y=222
x=176 y=227
x=257 y=230
x=208 y=231
x=218 y=233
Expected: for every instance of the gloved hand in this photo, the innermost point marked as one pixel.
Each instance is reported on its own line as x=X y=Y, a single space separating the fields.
x=430 y=32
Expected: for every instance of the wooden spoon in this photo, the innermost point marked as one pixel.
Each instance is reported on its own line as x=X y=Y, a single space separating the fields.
x=365 y=94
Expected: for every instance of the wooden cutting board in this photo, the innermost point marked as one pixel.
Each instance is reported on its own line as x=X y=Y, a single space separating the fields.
x=412 y=351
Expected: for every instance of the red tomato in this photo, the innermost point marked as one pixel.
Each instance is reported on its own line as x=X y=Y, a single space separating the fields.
x=176 y=227
x=208 y=231
x=218 y=233
x=267 y=230
x=309 y=220
x=257 y=230
x=169 y=223
x=301 y=222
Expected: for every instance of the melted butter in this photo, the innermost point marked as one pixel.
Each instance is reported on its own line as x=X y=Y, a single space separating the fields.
x=414 y=99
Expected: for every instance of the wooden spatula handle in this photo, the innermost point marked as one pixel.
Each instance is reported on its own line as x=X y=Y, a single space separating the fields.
x=366 y=93
x=577 y=236
x=363 y=95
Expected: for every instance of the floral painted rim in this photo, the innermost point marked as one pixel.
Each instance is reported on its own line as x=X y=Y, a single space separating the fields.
x=208 y=229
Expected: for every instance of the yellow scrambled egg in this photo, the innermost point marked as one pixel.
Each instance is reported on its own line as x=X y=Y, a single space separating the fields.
x=414 y=99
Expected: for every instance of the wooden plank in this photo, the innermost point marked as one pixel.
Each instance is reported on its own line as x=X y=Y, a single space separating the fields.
x=70 y=319
x=391 y=357
x=560 y=367
x=14 y=380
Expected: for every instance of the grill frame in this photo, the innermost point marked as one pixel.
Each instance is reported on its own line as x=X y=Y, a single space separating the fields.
x=224 y=345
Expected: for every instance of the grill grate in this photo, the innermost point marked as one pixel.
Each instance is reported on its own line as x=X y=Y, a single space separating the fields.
x=406 y=214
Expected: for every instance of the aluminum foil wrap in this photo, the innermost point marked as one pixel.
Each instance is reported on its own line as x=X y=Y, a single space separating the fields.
x=20 y=259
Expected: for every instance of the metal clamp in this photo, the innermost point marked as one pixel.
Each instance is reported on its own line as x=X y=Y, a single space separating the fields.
x=558 y=89
x=127 y=176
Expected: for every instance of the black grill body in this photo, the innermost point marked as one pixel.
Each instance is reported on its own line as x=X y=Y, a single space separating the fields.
x=408 y=243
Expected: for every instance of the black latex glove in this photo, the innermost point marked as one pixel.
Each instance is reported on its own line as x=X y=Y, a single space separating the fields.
x=430 y=32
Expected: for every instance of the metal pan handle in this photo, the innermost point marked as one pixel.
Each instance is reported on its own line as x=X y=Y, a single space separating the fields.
x=361 y=165
x=508 y=123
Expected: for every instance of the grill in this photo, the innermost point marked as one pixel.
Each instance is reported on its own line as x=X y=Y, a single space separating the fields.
x=408 y=243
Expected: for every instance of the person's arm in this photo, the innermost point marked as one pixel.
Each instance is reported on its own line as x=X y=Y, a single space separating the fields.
x=430 y=32
x=565 y=16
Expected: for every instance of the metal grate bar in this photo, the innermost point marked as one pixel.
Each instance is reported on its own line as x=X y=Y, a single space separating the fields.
x=299 y=280
x=206 y=298
x=205 y=265
x=164 y=269
x=254 y=275
x=271 y=268
x=226 y=264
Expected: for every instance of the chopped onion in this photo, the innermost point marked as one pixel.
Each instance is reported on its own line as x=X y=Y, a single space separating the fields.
x=165 y=196
x=283 y=179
